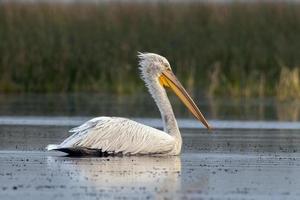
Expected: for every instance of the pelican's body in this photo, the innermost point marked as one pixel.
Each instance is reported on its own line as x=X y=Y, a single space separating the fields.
x=114 y=135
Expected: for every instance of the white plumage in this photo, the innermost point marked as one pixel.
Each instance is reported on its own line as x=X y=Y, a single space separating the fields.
x=115 y=135
x=118 y=135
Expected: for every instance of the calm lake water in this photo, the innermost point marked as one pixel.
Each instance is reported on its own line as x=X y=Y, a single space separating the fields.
x=142 y=106
x=253 y=152
x=143 y=1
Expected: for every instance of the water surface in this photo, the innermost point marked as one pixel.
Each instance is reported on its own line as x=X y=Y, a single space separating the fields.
x=142 y=106
x=253 y=152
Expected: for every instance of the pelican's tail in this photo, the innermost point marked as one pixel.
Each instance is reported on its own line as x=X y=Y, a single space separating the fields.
x=79 y=151
x=51 y=147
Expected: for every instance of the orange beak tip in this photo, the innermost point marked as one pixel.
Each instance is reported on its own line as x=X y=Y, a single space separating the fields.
x=209 y=128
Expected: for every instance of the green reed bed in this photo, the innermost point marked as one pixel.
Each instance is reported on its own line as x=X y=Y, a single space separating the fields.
x=219 y=49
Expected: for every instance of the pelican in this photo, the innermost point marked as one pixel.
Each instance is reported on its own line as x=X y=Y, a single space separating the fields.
x=116 y=135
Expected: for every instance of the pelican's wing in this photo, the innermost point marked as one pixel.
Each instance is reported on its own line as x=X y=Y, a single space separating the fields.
x=119 y=135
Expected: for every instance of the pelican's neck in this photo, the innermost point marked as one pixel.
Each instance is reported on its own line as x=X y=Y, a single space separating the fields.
x=161 y=99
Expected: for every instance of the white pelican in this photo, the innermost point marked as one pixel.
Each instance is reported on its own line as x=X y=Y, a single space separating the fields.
x=115 y=135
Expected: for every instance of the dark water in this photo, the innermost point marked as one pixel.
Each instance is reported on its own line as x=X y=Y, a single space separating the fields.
x=253 y=152
x=142 y=105
x=143 y=1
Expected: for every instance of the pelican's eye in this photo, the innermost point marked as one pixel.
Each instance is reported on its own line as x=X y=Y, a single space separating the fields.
x=167 y=66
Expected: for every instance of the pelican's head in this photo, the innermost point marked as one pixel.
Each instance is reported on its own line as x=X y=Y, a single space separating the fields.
x=156 y=69
x=152 y=65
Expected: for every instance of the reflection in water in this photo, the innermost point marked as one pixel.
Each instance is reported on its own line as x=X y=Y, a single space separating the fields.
x=142 y=105
x=242 y=109
x=254 y=109
x=288 y=111
x=34 y=175
x=147 y=176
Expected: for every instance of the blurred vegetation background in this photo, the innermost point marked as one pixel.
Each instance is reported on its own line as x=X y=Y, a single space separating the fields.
x=232 y=49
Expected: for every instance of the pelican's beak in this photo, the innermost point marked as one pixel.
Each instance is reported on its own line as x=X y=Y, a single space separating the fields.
x=168 y=79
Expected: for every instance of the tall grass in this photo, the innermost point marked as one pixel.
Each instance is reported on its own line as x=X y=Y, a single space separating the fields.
x=289 y=84
x=221 y=49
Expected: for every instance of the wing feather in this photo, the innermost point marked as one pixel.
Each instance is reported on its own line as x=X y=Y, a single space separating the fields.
x=119 y=135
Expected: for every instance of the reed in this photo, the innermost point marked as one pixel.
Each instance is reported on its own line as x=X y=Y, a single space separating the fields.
x=52 y=47
x=288 y=87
